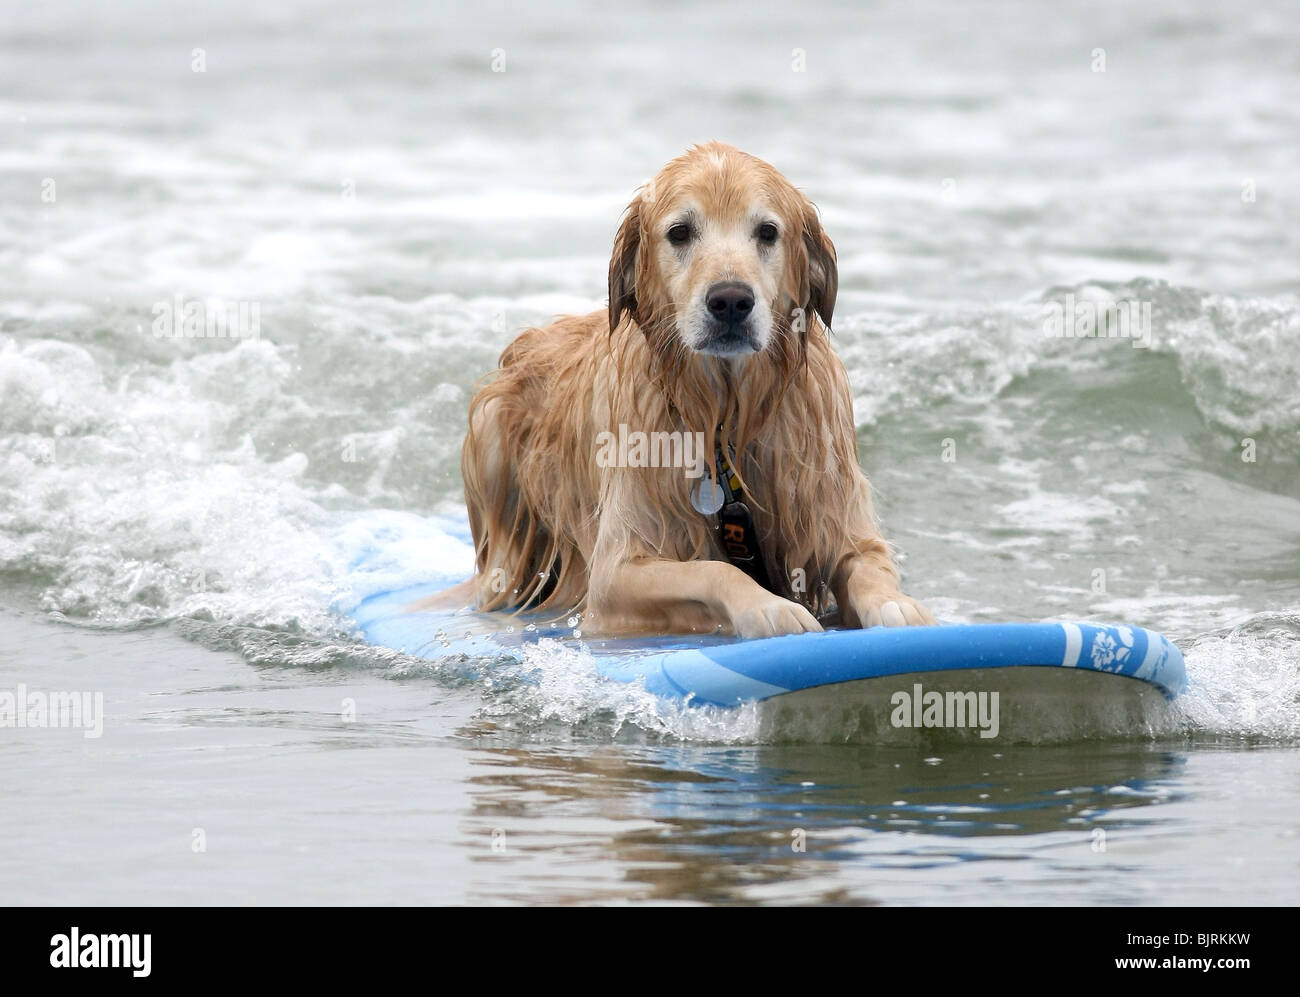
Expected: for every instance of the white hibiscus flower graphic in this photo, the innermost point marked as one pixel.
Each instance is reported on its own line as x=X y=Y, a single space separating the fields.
x=1109 y=654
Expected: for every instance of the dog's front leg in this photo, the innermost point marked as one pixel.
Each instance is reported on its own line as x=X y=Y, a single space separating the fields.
x=653 y=595
x=865 y=584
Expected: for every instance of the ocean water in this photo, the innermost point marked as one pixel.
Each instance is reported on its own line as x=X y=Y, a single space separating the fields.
x=185 y=522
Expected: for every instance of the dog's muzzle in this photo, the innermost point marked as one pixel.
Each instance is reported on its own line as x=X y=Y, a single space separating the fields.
x=730 y=304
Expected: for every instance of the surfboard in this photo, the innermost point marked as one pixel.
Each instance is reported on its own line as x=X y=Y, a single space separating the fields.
x=1084 y=676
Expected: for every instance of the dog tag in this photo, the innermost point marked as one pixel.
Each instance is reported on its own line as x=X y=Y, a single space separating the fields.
x=707 y=496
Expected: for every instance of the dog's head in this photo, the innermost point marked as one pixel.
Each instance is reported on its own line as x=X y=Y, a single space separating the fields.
x=720 y=255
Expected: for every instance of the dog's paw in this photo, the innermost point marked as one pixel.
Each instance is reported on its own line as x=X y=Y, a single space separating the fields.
x=772 y=617
x=890 y=609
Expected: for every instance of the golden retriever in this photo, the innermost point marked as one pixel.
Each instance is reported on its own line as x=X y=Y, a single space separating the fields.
x=721 y=289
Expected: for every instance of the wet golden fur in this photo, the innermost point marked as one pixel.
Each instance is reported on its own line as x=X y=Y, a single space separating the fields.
x=623 y=545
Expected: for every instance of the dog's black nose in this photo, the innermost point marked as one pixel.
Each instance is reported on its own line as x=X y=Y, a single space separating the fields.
x=730 y=302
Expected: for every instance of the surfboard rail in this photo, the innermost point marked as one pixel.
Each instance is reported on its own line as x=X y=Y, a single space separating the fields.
x=728 y=672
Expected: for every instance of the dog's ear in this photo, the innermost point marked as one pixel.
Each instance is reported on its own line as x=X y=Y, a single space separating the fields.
x=623 y=266
x=823 y=273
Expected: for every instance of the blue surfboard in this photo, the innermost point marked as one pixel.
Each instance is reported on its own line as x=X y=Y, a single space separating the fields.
x=1059 y=661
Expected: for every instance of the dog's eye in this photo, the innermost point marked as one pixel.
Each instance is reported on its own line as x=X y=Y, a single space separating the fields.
x=679 y=234
x=767 y=233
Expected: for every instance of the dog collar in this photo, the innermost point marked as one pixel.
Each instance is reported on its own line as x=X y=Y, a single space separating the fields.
x=722 y=495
